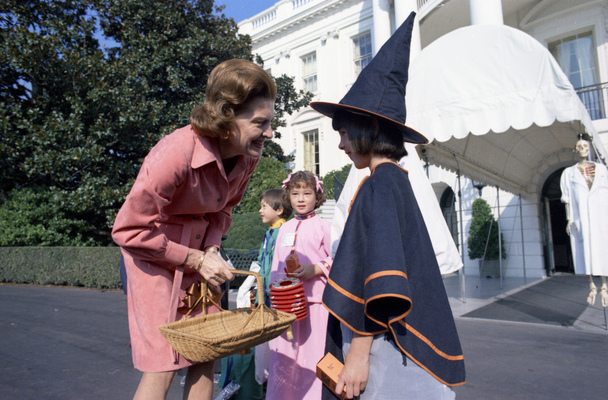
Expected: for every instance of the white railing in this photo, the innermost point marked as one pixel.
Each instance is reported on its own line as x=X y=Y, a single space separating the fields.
x=594 y=98
x=426 y=6
x=284 y=10
x=299 y=3
x=264 y=19
x=279 y=12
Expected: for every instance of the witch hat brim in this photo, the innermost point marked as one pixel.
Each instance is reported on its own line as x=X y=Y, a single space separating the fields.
x=379 y=91
x=409 y=135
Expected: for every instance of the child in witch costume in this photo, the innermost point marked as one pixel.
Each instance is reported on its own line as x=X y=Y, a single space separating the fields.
x=293 y=360
x=390 y=320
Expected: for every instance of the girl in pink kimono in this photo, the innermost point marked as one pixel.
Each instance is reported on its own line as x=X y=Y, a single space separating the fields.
x=172 y=221
x=292 y=373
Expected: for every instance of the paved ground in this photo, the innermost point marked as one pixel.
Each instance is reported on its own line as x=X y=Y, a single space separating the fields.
x=69 y=343
x=515 y=360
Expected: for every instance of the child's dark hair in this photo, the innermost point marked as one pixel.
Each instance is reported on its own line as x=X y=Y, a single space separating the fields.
x=369 y=135
x=275 y=199
x=305 y=178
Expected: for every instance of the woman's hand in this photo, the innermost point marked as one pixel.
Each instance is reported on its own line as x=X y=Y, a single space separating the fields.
x=214 y=269
x=307 y=271
x=353 y=378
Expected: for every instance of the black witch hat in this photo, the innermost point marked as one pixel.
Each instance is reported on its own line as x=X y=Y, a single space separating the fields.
x=379 y=90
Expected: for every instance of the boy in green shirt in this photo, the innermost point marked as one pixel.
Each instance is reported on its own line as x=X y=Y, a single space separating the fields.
x=274 y=213
x=242 y=368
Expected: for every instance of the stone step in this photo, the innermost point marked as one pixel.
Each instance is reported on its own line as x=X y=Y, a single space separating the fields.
x=326 y=211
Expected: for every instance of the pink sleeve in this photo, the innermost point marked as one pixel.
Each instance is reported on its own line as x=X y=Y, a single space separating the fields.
x=325 y=262
x=278 y=259
x=135 y=228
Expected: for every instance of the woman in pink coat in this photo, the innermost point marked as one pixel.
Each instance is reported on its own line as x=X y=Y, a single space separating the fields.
x=172 y=221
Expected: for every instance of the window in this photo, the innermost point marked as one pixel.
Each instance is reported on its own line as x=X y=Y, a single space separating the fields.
x=576 y=55
x=363 y=51
x=309 y=72
x=311 y=151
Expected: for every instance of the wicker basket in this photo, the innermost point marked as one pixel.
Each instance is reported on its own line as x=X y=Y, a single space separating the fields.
x=212 y=336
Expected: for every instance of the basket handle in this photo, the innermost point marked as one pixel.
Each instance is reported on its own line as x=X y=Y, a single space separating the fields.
x=260 y=293
x=259 y=283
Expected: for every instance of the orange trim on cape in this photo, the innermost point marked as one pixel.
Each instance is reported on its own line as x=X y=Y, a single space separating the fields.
x=454 y=358
x=431 y=345
x=389 y=162
x=351 y=328
x=372 y=172
x=425 y=368
x=400 y=317
x=356 y=192
x=344 y=292
x=385 y=273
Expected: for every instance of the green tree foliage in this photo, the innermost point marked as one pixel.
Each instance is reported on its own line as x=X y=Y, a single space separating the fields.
x=246 y=232
x=333 y=188
x=484 y=230
x=288 y=101
x=31 y=216
x=76 y=119
x=273 y=149
x=269 y=174
x=49 y=62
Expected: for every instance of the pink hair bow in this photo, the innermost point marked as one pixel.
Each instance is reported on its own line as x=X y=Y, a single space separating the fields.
x=286 y=181
x=319 y=183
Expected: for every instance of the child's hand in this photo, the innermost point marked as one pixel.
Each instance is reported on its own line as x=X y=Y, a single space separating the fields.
x=307 y=271
x=353 y=378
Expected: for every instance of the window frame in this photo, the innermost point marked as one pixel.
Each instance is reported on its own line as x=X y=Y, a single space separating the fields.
x=358 y=58
x=309 y=73
x=311 y=160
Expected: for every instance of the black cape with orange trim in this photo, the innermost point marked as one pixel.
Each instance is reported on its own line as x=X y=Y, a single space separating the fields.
x=385 y=278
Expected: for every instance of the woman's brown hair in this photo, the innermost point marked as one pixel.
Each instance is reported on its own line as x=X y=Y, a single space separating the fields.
x=231 y=86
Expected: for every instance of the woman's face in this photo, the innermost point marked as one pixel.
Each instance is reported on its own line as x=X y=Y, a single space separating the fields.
x=250 y=130
x=359 y=160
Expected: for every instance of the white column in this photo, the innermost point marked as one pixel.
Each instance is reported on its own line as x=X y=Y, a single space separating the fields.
x=382 y=23
x=488 y=12
x=403 y=8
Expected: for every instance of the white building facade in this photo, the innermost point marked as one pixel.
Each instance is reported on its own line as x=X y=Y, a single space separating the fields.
x=324 y=44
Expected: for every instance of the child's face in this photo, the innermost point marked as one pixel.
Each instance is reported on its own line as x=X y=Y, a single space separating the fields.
x=359 y=160
x=268 y=214
x=303 y=198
